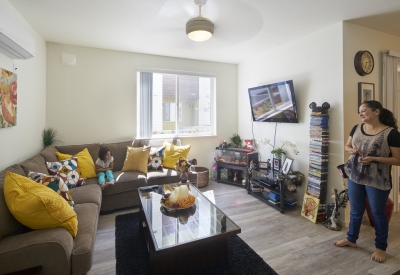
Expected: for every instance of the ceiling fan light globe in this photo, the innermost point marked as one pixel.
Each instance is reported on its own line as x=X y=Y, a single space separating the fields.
x=199 y=28
x=200 y=35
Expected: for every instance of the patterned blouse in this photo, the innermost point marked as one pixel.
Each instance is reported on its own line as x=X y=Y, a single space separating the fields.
x=374 y=174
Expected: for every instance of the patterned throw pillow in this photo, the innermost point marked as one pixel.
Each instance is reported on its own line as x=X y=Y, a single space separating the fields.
x=53 y=182
x=66 y=170
x=155 y=158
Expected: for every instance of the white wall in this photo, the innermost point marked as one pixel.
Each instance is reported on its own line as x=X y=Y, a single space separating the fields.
x=24 y=140
x=314 y=63
x=95 y=101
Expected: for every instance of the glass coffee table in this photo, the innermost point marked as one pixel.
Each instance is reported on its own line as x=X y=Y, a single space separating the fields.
x=183 y=241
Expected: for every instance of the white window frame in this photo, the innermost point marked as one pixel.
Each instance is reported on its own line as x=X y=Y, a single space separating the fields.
x=178 y=111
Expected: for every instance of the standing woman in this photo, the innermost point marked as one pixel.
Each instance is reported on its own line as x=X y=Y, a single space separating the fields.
x=374 y=146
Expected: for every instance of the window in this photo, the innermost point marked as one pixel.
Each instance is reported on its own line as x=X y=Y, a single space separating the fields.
x=174 y=104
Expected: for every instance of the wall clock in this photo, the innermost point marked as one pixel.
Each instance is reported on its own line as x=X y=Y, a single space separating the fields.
x=364 y=63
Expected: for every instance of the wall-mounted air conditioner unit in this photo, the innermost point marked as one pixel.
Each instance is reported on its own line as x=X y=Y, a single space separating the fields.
x=15 y=42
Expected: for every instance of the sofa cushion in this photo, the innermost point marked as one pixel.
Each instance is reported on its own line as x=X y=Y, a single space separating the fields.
x=37 y=206
x=125 y=181
x=75 y=149
x=55 y=183
x=118 y=151
x=82 y=254
x=66 y=169
x=172 y=154
x=155 y=158
x=49 y=153
x=36 y=163
x=8 y=224
x=88 y=193
x=136 y=159
x=86 y=168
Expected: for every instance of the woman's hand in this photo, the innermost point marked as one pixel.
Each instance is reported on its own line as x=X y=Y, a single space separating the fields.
x=355 y=151
x=365 y=160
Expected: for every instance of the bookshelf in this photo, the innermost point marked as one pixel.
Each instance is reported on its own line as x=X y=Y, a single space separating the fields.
x=318 y=164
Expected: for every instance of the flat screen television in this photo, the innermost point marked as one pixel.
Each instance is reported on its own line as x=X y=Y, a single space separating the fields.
x=274 y=103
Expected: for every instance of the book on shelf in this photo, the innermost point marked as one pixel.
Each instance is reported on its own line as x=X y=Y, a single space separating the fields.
x=274 y=202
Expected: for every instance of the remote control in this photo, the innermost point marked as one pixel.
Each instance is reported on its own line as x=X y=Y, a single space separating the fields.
x=148 y=188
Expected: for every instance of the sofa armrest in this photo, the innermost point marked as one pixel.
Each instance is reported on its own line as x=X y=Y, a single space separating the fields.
x=50 y=248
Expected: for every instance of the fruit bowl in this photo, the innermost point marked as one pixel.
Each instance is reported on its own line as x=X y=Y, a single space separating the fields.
x=183 y=204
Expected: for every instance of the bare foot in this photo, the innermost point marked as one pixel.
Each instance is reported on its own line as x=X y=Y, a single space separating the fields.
x=106 y=184
x=379 y=256
x=345 y=242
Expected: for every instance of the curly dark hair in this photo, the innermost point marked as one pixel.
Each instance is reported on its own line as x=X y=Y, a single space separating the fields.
x=103 y=151
x=386 y=117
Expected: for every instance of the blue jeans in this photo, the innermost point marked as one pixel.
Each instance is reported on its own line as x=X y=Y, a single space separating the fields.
x=103 y=175
x=377 y=203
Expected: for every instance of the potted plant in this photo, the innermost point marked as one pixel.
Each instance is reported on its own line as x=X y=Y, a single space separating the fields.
x=236 y=141
x=49 y=136
x=279 y=151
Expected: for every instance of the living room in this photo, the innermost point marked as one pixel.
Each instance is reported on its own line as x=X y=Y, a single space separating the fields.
x=100 y=92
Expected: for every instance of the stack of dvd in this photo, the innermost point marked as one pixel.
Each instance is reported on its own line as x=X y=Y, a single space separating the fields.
x=318 y=165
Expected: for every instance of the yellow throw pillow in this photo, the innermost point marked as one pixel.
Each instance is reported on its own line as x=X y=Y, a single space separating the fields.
x=86 y=168
x=172 y=153
x=37 y=206
x=136 y=159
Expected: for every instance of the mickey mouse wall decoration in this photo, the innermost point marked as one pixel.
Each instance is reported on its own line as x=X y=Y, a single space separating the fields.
x=319 y=110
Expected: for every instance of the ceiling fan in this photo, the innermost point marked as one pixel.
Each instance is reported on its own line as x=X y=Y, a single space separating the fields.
x=199 y=28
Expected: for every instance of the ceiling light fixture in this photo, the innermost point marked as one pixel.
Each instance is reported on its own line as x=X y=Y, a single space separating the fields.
x=199 y=28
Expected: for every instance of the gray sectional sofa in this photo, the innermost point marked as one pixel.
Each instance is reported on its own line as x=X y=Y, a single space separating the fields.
x=54 y=248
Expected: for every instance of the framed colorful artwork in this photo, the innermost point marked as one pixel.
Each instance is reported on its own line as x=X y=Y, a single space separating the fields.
x=309 y=209
x=8 y=99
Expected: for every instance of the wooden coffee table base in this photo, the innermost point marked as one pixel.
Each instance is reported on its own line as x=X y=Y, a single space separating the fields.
x=185 y=258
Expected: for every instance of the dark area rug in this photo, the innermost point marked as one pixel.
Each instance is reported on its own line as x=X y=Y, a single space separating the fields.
x=133 y=258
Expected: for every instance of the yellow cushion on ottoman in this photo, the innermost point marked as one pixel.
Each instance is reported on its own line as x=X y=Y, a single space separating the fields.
x=136 y=159
x=172 y=153
x=37 y=206
x=86 y=168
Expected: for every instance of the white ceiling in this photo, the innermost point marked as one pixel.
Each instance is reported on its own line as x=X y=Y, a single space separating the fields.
x=243 y=28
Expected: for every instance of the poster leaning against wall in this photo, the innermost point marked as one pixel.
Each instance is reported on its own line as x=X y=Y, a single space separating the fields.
x=8 y=99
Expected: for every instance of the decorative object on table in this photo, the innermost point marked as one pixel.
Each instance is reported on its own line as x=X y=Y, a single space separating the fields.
x=366 y=91
x=181 y=198
x=8 y=99
x=223 y=144
x=295 y=180
x=287 y=165
x=318 y=163
x=309 y=209
x=249 y=144
x=49 y=136
x=252 y=166
x=364 y=62
x=236 y=141
x=277 y=164
x=183 y=165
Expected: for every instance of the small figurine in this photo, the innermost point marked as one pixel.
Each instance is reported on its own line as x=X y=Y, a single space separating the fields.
x=340 y=200
x=252 y=166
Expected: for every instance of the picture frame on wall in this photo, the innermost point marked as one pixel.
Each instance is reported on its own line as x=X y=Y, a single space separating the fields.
x=276 y=164
x=366 y=91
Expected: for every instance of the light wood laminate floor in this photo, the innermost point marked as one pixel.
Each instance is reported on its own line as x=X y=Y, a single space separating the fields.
x=289 y=243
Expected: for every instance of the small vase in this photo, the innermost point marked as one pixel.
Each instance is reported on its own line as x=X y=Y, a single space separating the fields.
x=184 y=177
